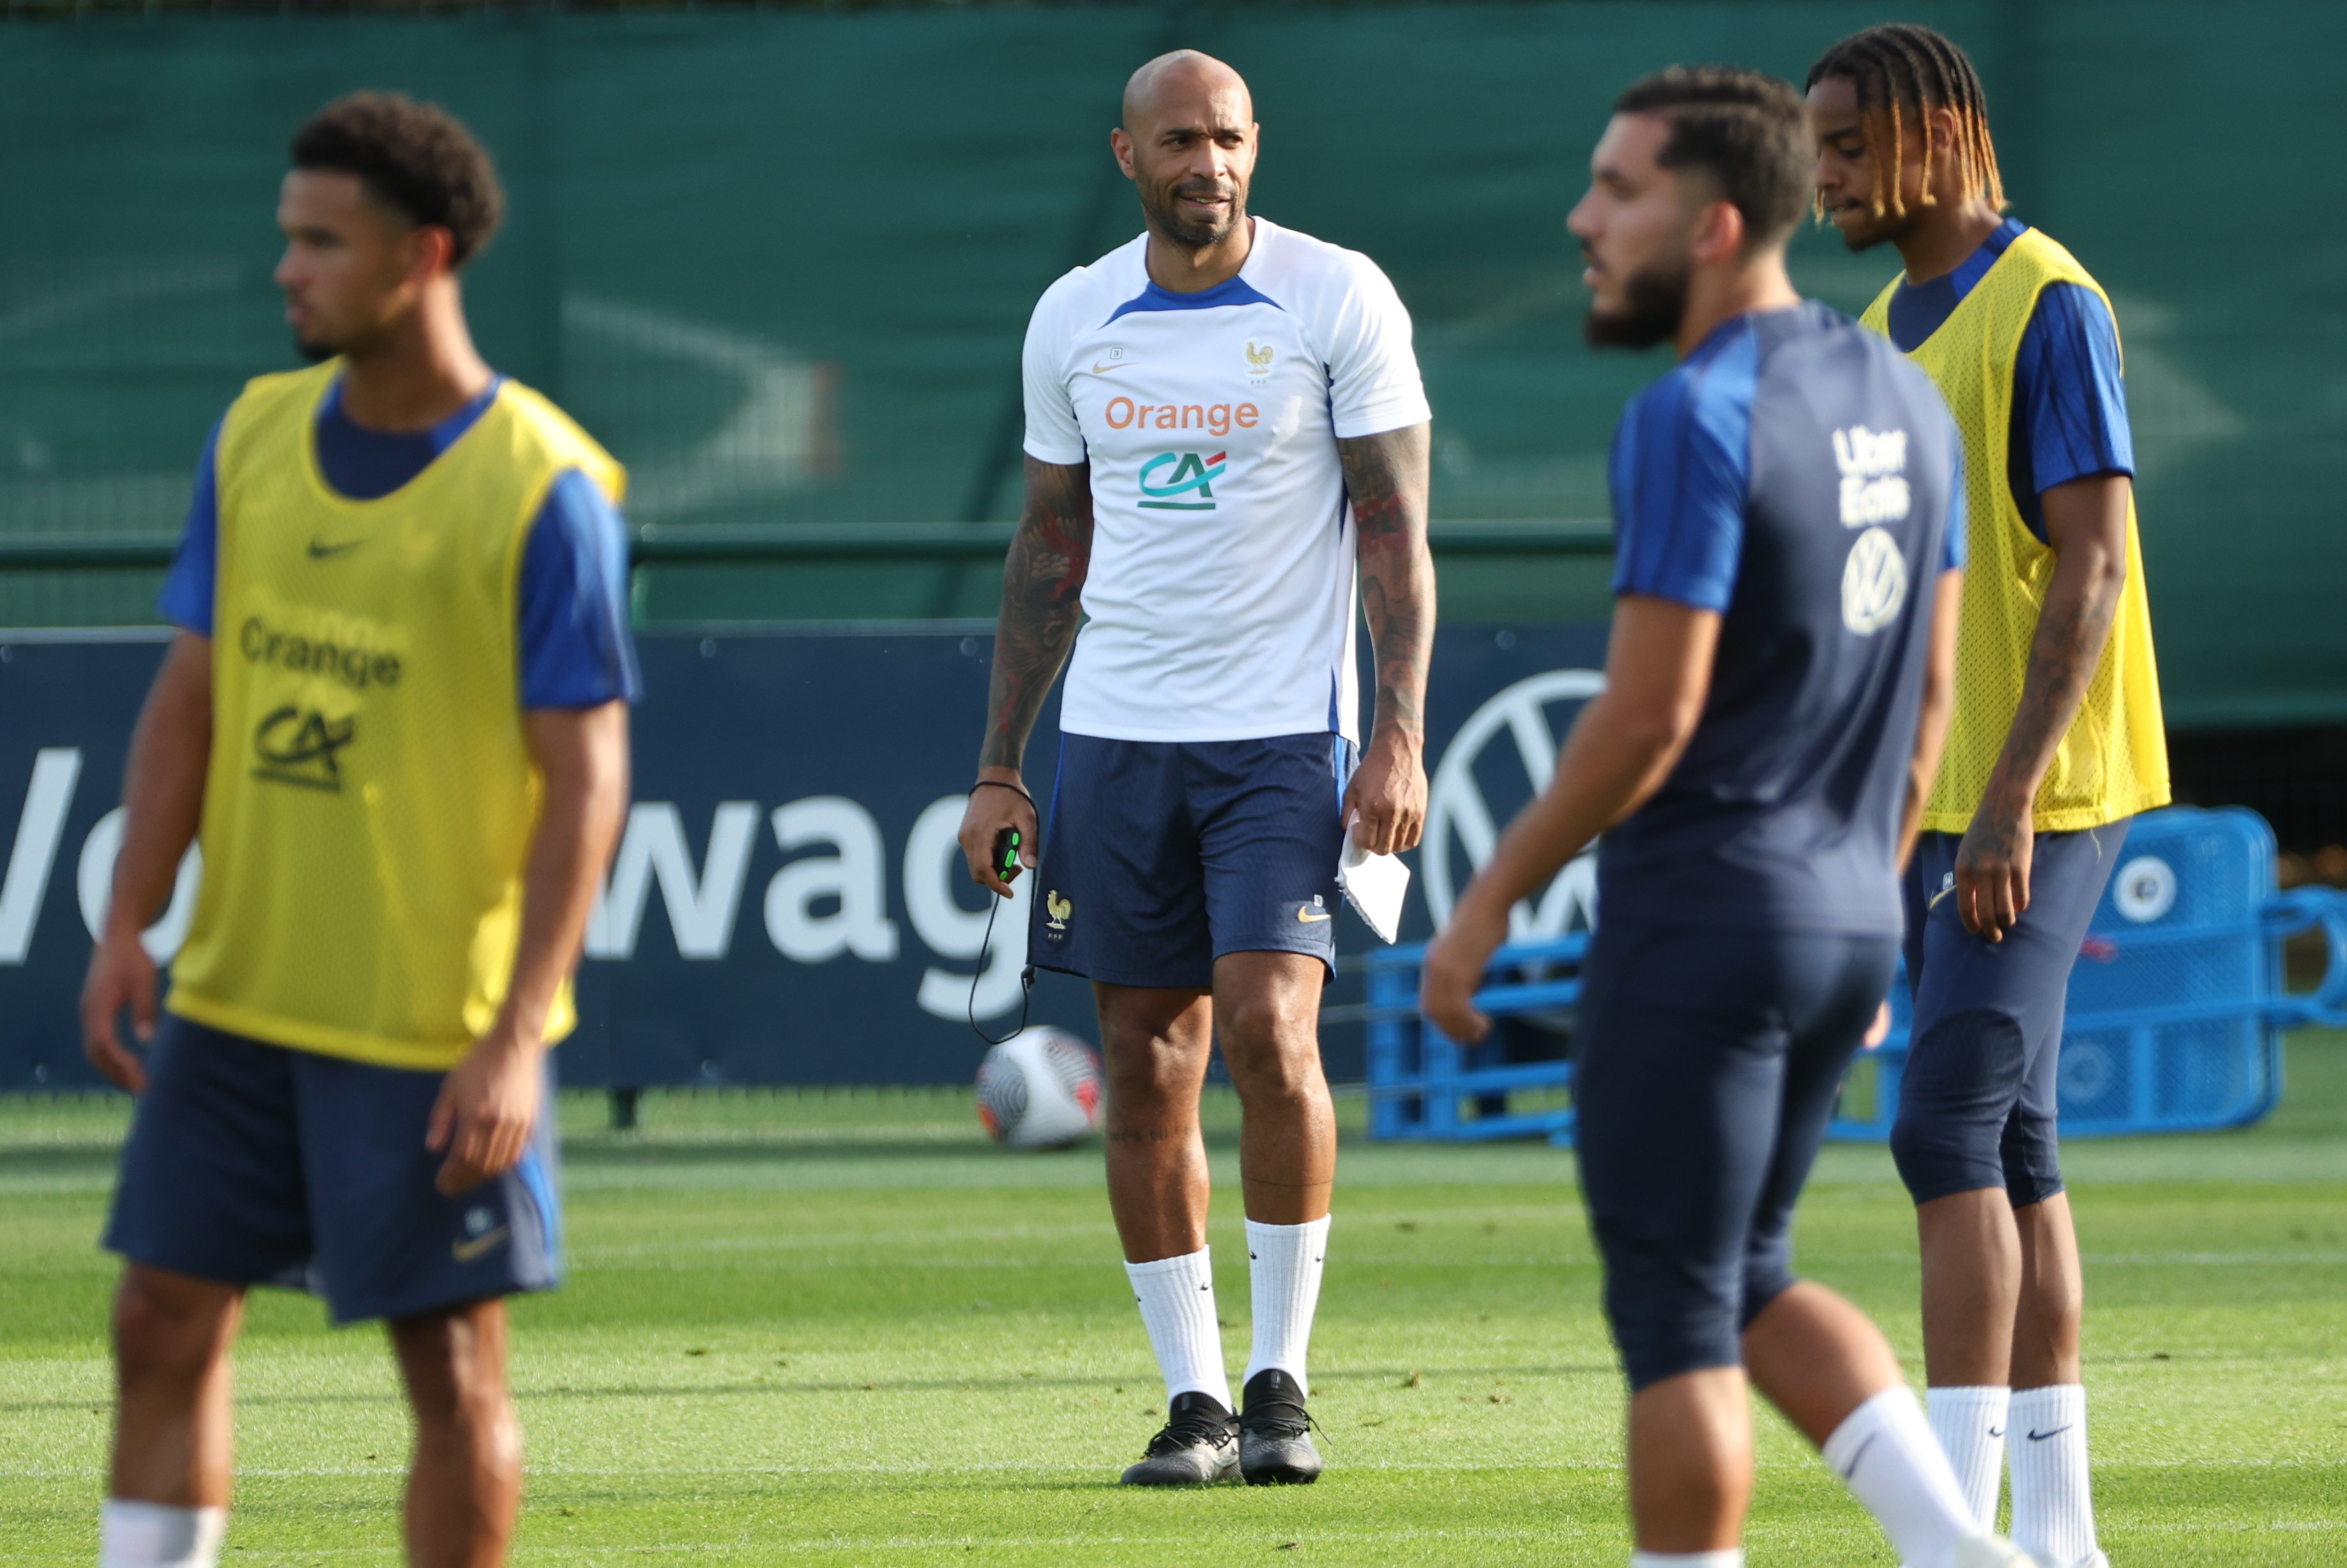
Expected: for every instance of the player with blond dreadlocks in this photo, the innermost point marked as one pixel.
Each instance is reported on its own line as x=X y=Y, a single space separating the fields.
x=2055 y=744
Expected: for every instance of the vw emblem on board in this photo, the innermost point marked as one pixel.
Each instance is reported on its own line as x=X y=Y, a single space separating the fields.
x=1461 y=822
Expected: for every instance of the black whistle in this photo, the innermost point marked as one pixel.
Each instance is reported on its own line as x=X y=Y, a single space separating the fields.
x=1005 y=854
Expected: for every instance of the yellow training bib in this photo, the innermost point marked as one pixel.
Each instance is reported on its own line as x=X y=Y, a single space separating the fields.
x=2113 y=763
x=369 y=801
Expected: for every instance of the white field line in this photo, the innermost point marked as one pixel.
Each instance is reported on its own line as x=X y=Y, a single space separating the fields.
x=591 y=1255
x=996 y=1467
x=1311 y=1535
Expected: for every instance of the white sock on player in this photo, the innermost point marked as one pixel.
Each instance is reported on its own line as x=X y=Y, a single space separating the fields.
x=158 y=1535
x=2053 y=1502
x=1177 y=1306
x=1731 y=1558
x=1885 y=1453
x=1284 y=1265
x=1970 y=1424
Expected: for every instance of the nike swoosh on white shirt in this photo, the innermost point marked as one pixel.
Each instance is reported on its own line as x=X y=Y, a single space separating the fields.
x=1119 y=365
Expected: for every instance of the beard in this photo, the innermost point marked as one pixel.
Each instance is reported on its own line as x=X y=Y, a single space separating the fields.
x=1166 y=216
x=315 y=350
x=1653 y=303
x=1886 y=230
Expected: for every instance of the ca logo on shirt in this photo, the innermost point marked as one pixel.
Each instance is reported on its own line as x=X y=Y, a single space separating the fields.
x=302 y=746
x=1183 y=481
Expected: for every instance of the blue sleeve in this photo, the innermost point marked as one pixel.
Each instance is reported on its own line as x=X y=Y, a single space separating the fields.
x=1955 y=549
x=1682 y=471
x=186 y=601
x=2069 y=400
x=576 y=650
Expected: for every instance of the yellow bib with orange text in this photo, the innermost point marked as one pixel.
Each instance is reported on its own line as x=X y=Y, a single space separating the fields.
x=369 y=801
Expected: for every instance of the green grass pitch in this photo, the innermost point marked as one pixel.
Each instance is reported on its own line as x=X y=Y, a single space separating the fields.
x=844 y=1330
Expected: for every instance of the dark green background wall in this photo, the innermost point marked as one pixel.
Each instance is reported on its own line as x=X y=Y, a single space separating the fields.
x=780 y=263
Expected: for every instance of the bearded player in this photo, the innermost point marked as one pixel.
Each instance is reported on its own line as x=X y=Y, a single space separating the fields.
x=396 y=718
x=1224 y=421
x=1787 y=508
x=2055 y=744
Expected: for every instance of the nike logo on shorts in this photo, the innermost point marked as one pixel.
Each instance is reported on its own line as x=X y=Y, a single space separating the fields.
x=1312 y=917
x=466 y=1251
x=1947 y=885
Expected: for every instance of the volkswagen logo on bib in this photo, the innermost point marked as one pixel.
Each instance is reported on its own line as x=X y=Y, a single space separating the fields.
x=1873 y=582
x=1501 y=758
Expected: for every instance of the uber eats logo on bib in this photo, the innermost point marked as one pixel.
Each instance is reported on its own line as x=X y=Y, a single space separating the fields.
x=1180 y=481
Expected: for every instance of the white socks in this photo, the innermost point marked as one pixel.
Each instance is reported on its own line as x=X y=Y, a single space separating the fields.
x=1886 y=1455
x=1731 y=1558
x=158 y=1535
x=1970 y=1425
x=2052 y=1505
x=1284 y=1279
x=1177 y=1306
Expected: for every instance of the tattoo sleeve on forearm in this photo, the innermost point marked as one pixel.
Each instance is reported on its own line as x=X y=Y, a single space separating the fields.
x=2072 y=631
x=1042 y=600
x=1386 y=477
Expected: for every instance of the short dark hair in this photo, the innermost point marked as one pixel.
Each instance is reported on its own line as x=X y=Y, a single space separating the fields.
x=417 y=158
x=1747 y=130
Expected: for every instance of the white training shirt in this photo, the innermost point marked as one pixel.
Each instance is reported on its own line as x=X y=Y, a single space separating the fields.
x=1220 y=600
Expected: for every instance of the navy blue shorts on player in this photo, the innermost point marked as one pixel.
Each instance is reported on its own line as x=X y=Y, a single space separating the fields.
x=1709 y=1063
x=1978 y=1103
x=1160 y=857
x=253 y=1165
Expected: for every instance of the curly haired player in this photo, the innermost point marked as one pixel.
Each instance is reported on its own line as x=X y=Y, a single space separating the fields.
x=396 y=716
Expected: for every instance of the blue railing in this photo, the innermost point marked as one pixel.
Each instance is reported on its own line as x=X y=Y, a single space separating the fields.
x=2177 y=1006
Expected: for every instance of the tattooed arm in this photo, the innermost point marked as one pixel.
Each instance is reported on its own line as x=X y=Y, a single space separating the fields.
x=1042 y=600
x=1385 y=475
x=2085 y=523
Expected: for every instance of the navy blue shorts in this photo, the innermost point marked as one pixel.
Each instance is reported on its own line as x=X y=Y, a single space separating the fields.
x=1709 y=1062
x=1160 y=857
x=1978 y=1103
x=254 y=1164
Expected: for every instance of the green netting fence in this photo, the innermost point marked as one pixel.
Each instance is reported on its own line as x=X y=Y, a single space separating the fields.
x=781 y=262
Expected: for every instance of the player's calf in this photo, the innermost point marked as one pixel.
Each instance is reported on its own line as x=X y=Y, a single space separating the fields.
x=464 y=1488
x=167 y=1494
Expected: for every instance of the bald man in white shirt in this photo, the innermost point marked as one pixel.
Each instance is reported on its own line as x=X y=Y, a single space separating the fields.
x=1225 y=429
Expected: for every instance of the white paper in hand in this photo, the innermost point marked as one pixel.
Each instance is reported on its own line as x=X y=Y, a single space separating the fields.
x=1373 y=884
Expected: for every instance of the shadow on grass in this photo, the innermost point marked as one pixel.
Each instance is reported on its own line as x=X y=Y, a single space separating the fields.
x=1355 y=1380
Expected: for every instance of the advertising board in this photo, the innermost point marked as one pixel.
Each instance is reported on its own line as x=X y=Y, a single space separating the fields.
x=787 y=903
